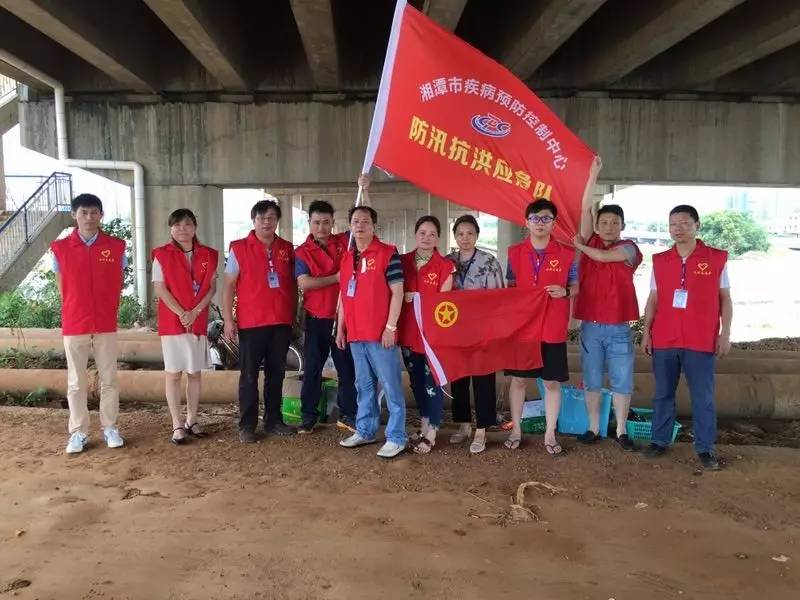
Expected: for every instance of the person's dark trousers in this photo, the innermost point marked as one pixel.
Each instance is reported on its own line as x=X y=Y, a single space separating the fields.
x=318 y=343
x=698 y=367
x=485 y=394
x=429 y=396
x=268 y=346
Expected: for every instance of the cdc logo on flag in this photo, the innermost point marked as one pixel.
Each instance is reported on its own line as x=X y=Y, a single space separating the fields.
x=490 y=125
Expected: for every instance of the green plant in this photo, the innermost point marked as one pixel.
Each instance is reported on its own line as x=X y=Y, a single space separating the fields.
x=733 y=231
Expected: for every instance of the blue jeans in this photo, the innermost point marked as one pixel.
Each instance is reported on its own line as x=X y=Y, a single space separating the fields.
x=428 y=395
x=607 y=346
x=375 y=363
x=699 y=370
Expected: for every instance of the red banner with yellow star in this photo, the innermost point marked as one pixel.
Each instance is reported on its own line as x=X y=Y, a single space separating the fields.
x=476 y=332
x=461 y=126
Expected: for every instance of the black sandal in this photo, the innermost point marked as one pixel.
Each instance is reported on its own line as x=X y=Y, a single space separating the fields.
x=190 y=430
x=178 y=441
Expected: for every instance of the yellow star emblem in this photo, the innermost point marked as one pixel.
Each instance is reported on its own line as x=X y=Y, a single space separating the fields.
x=445 y=314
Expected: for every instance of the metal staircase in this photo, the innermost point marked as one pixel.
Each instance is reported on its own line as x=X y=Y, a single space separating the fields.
x=26 y=233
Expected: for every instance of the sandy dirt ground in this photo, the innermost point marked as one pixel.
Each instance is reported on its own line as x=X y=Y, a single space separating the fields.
x=303 y=518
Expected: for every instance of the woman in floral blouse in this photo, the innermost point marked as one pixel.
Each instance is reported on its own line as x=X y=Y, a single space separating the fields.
x=475 y=270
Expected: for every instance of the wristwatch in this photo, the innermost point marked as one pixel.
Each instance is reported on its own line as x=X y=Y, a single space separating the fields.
x=391 y=327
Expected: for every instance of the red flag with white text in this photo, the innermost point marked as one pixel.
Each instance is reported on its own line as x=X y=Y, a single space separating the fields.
x=476 y=332
x=460 y=125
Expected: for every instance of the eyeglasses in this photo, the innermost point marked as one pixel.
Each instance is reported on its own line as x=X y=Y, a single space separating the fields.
x=542 y=220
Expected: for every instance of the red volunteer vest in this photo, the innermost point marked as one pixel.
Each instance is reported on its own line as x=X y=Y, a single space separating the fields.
x=321 y=302
x=553 y=270
x=91 y=282
x=695 y=327
x=258 y=304
x=606 y=293
x=428 y=280
x=181 y=279
x=365 y=314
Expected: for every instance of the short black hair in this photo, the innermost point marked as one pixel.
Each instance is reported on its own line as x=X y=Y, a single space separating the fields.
x=320 y=206
x=262 y=206
x=539 y=205
x=469 y=220
x=611 y=209
x=688 y=209
x=428 y=219
x=372 y=213
x=86 y=201
x=176 y=216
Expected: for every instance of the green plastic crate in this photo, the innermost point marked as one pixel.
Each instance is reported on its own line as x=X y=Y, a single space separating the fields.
x=534 y=425
x=291 y=406
x=643 y=430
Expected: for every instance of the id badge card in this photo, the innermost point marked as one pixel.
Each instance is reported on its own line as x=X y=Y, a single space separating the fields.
x=195 y=287
x=351 y=288
x=680 y=298
x=272 y=279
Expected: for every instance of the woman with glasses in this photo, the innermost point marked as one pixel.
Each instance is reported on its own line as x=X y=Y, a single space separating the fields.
x=184 y=278
x=425 y=271
x=475 y=270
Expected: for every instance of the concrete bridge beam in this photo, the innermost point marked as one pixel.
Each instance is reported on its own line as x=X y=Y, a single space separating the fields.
x=209 y=33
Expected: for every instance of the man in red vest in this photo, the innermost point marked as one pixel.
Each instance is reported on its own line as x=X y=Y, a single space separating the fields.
x=542 y=262
x=606 y=306
x=89 y=267
x=687 y=324
x=260 y=273
x=316 y=268
x=371 y=292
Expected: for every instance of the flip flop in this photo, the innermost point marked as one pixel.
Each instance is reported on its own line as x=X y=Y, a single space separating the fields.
x=423 y=446
x=512 y=443
x=554 y=449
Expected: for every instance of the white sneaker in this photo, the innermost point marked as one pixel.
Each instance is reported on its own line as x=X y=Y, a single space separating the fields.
x=77 y=443
x=356 y=440
x=113 y=438
x=391 y=449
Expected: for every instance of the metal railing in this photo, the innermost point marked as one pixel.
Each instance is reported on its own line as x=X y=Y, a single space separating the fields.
x=20 y=229
x=21 y=187
x=7 y=87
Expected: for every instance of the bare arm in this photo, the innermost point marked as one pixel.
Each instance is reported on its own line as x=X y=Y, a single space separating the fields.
x=228 y=293
x=616 y=254
x=363 y=183
x=162 y=293
x=649 y=315
x=587 y=219
x=726 y=310
x=587 y=223
x=448 y=284
x=389 y=337
x=306 y=282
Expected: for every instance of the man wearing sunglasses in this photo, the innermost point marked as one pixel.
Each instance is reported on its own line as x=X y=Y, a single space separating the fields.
x=541 y=262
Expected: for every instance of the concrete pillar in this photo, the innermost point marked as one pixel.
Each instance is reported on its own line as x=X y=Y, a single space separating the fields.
x=2 y=178
x=441 y=210
x=205 y=201
x=286 y=223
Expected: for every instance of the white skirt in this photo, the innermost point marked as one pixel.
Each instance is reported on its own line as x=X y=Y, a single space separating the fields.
x=185 y=353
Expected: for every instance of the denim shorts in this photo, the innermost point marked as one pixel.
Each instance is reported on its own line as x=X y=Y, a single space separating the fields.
x=607 y=347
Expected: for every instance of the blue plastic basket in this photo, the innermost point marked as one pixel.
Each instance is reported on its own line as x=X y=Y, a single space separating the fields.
x=573 y=418
x=643 y=430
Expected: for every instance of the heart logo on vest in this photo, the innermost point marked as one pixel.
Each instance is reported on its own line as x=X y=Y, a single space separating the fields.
x=371 y=264
x=554 y=262
x=283 y=255
x=105 y=253
x=204 y=266
x=432 y=278
x=702 y=266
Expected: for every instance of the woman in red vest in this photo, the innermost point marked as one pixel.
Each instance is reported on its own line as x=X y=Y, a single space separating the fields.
x=427 y=272
x=606 y=306
x=541 y=262
x=184 y=279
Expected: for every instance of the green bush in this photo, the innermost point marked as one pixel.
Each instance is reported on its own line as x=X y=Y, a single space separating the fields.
x=733 y=231
x=37 y=303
